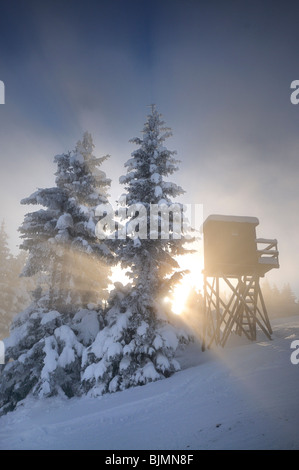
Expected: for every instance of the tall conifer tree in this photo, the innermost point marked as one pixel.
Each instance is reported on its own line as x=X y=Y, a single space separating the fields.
x=61 y=238
x=47 y=339
x=138 y=343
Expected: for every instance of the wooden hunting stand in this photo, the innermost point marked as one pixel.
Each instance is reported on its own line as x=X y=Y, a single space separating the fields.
x=235 y=256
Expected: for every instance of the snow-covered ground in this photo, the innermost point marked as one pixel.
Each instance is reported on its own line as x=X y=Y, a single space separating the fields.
x=244 y=396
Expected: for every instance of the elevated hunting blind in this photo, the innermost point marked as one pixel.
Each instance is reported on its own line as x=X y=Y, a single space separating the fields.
x=233 y=253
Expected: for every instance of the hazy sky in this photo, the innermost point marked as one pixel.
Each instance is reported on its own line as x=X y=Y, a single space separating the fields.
x=218 y=71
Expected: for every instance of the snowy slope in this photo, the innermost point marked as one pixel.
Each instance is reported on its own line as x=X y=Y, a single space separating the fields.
x=242 y=397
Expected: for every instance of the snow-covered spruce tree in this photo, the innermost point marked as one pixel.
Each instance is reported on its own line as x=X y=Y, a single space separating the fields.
x=139 y=342
x=61 y=239
x=47 y=339
x=6 y=291
x=86 y=186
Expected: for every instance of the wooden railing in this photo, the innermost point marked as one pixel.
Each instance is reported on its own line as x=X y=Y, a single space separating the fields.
x=269 y=253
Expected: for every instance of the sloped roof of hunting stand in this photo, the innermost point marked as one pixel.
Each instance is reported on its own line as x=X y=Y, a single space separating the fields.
x=231 y=218
x=231 y=247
